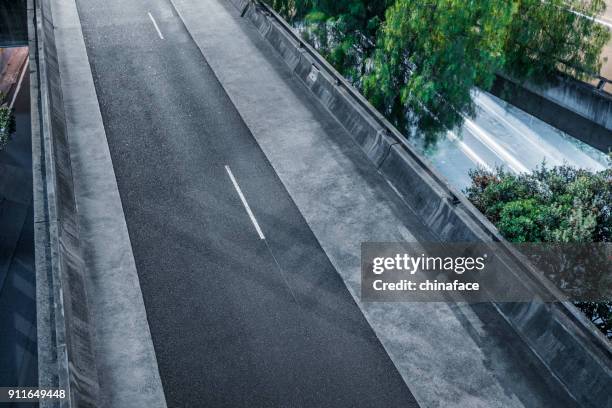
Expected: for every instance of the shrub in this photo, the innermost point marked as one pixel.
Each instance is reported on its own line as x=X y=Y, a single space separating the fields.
x=561 y=204
x=7 y=125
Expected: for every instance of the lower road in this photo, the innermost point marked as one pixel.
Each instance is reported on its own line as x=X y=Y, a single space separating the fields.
x=503 y=135
x=18 y=348
x=244 y=307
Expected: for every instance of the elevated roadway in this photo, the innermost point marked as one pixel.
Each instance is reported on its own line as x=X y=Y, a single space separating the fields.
x=246 y=203
x=244 y=307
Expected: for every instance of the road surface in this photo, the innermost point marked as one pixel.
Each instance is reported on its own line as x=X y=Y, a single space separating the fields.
x=244 y=307
x=502 y=135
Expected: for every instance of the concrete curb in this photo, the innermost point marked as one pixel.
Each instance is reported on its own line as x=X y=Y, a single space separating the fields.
x=573 y=351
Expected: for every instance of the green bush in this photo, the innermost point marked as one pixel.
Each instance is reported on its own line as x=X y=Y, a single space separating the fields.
x=7 y=122
x=7 y=125
x=561 y=204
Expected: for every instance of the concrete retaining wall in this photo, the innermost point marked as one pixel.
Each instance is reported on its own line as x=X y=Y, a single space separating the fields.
x=71 y=337
x=575 y=353
x=577 y=108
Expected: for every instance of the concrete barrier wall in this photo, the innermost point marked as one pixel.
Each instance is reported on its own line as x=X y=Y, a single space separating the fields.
x=577 y=108
x=579 y=97
x=73 y=327
x=576 y=354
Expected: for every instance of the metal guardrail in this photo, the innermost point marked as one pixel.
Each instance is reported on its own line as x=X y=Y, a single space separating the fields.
x=601 y=80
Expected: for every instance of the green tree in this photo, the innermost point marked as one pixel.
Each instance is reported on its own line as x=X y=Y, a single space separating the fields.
x=354 y=26
x=417 y=60
x=431 y=53
x=548 y=36
x=557 y=205
x=560 y=204
x=291 y=10
x=343 y=31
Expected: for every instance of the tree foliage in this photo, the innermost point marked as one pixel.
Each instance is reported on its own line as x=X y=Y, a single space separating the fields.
x=7 y=123
x=343 y=31
x=432 y=53
x=354 y=25
x=555 y=35
x=561 y=204
x=291 y=9
x=418 y=60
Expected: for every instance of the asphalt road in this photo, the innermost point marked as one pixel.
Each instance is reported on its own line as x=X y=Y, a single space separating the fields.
x=236 y=320
x=503 y=135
